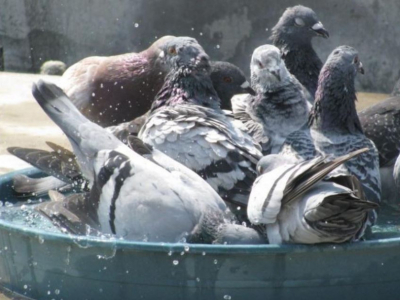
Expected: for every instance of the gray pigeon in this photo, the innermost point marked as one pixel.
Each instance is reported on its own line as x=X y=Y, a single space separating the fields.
x=292 y=35
x=138 y=194
x=280 y=106
x=296 y=206
x=187 y=124
x=334 y=127
x=381 y=124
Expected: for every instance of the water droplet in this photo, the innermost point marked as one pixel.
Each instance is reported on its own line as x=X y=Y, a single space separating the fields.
x=182 y=253
x=238 y=208
x=25 y=286
x=227 y=297
x=136 y=25
x=57 y=292
x=93 y=94
x=215 y=261
x=127 y=272
x=48 y=292
x=175 y=262
x=192 y=29
x=218 y=46
x=201 y=33
x=169 y=253
x=204 y=253
x=187 y=248
x=41 y=240
x=197 y=279
x=266 y=29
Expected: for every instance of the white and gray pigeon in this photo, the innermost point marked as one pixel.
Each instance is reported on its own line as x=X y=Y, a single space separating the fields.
x=279 y=106
x=292 y=35
x=187 y=123
x=297 y=204
x=334 y=127
x=138 y=194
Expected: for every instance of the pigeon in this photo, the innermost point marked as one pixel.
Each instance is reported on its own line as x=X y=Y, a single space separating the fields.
x=292 y=35
x=115 y=89
x=228 y=80
x=381 y=124
x=334 y=127
x=297 y=206
x=280 y=106
x=187 y=123
x=138 y=193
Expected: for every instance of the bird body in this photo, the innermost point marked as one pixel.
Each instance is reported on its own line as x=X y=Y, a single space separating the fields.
x=115 y=89
x=293 y=203
x=280 y=106
x=334 y=127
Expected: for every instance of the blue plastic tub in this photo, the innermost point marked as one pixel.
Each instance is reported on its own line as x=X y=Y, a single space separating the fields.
x=44 y=265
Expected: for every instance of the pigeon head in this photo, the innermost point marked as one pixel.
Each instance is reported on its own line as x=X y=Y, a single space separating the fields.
x=228 y=80
x=335 y=98
x=184 y=53
x=189 y=78
x=344 y=60
x=298 y=24
x=268 y=70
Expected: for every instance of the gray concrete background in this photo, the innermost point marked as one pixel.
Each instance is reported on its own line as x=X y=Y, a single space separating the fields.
x=33 y=31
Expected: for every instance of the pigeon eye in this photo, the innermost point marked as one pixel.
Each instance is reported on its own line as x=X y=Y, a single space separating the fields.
x=299 y=22
x=227 y=79
x=356 y=60
x=260 y=65
x=336 y=52
x=172 y=51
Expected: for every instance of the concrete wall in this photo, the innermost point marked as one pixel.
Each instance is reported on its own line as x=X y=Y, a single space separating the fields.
x=33 y=31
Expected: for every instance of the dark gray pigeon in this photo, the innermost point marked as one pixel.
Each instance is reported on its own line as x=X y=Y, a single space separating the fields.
x=138 y=193
x=292 y=35
x=187 y=123
x=334 y=127
x=228 y=80
x=280 y=106
x=297 y=206
x=381 y=124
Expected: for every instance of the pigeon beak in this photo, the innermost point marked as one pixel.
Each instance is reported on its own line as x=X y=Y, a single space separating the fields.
x=277 y=74
x=360 y=68
x=319 y=29
x=247 y=89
